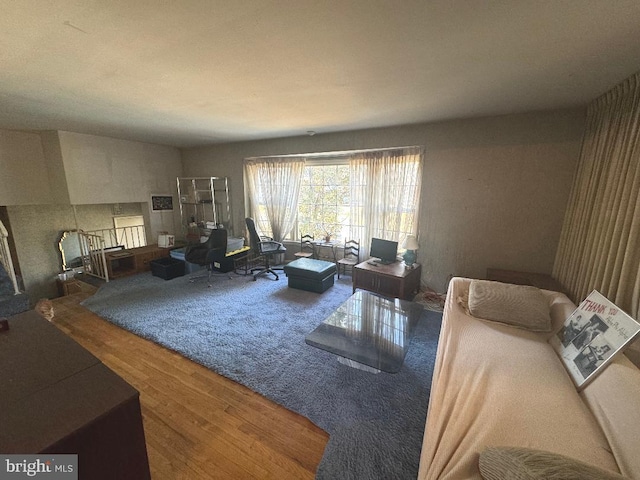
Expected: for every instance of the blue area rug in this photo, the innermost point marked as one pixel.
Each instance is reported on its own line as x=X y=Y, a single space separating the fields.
x=10 y=304
x=253 y=333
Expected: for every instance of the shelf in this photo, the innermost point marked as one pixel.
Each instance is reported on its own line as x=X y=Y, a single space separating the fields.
x=204 y=200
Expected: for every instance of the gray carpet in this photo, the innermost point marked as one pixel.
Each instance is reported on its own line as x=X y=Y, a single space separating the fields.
x=253 y=333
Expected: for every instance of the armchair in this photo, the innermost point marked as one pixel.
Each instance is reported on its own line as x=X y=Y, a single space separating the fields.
x=207 y=253
x=264 y=248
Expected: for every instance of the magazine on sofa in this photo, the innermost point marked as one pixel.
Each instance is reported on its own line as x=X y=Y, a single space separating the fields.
x=593 y=334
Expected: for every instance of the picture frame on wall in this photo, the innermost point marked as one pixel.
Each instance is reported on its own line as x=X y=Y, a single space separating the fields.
x=161 y=203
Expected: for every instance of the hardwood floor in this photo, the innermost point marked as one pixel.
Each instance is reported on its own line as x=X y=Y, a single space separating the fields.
x=198 y=425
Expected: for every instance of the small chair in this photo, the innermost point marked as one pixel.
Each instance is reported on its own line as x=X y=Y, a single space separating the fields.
x=207 y=253
x=265 y=248
x=351 y=256
x=306 y=247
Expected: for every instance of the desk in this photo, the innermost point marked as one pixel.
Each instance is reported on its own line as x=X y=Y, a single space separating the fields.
x=392 y=280
x=58 y=398
x=133 y=260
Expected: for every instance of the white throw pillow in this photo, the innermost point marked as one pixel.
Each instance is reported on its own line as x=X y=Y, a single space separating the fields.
x=517 y=305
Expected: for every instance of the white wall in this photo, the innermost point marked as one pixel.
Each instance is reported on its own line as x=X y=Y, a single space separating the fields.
x=55 y=167
x=109 y=170
x=36 y=231
x=24 y=176
x=494 y=189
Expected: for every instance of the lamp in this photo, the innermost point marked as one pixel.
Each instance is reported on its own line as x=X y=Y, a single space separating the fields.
x=411 y=245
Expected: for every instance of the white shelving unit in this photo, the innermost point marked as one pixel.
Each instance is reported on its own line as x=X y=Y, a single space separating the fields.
x=204 y=204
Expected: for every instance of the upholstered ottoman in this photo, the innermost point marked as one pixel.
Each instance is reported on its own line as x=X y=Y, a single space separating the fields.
x=311 y=275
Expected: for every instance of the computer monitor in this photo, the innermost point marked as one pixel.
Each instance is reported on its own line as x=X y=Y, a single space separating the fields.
x=385 y=250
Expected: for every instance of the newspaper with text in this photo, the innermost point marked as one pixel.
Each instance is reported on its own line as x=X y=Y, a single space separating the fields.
x=592 y=335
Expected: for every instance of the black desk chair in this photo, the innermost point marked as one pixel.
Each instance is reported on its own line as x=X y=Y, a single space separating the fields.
x=264 y=248
x=209 y=252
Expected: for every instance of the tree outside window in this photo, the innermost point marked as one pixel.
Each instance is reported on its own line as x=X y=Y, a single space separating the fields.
x=324 y=203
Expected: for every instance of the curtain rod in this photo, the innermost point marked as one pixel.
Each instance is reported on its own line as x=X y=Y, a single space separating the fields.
x=337 y=153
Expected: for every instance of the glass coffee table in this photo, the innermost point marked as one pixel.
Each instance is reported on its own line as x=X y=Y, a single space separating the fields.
x=369 y=331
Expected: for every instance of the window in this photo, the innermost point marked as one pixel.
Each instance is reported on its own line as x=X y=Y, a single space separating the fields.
x=129 y=231
x=350 y=195
x=325 y=201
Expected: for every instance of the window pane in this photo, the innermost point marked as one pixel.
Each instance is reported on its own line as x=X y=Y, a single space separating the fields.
x=329 y=201
x=324 y=201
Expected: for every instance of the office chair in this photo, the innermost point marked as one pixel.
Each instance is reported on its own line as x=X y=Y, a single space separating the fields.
x=208 y=253
x=264 y=248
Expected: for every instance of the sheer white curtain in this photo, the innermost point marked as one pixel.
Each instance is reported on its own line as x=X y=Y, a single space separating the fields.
x=385 y=190
x=600 y=242
x=273 y=187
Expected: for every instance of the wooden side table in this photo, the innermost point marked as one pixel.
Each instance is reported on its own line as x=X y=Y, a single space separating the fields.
x=392 y=280
x=134 y=260
x=319 y=254
x=68 y=287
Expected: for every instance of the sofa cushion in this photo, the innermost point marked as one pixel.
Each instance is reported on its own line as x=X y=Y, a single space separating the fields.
x=614 y=398
x=517 y=305
x=508 y=463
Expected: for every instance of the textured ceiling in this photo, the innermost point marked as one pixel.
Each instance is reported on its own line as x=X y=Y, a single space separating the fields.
x=190 y=73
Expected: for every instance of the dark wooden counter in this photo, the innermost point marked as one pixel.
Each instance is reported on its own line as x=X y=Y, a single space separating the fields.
x=56 y=397
x=540 y=280
x=393 y=280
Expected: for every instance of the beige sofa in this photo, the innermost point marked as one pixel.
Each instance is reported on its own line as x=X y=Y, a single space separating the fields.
x=497 y=385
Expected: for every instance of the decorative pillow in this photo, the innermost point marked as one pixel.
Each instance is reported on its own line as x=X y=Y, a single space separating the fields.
x=517 y=305
x=510 y=463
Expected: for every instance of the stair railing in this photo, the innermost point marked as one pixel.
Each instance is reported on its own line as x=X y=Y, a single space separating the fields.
x=128 y=237
x=5 y=257
x=94 y=261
